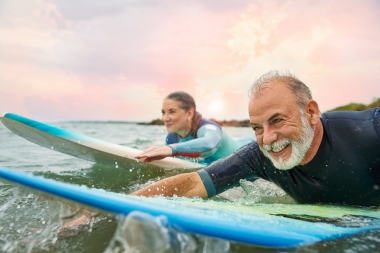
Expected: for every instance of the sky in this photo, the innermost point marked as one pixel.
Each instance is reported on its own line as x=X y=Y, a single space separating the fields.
x=117 y=60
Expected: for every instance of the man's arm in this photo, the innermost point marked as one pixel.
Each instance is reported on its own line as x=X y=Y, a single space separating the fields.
x=182 y=185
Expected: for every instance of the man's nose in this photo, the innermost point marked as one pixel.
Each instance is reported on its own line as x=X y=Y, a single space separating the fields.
x=269 y=136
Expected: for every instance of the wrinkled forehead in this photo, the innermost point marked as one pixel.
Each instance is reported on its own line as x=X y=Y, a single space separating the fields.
x=273 y=89
x=271 y=97
x=269 y=85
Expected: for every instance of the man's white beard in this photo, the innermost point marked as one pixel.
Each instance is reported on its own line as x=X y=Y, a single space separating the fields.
x=299 y=147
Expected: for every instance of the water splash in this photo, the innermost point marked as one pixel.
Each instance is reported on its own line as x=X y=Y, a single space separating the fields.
x=261 y=191
x=26 y=222
x=143 y=233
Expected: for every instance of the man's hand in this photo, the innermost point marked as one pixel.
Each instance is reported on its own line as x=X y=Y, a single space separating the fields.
x=155 y=153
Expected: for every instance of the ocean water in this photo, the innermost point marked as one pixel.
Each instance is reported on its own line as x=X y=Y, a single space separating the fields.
x=31 y=221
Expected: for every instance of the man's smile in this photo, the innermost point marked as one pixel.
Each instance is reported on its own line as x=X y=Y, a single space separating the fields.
x=278 y=148
x=279 y=151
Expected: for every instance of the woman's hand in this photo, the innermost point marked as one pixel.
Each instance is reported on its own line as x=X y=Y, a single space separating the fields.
x=155 y=153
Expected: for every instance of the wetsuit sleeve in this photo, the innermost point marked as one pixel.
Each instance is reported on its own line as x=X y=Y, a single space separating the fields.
x=226 y=173
x=208 y=141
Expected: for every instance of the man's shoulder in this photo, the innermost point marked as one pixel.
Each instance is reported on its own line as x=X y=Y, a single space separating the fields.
x=250 y=150
x=353 y=123
x=354 y=115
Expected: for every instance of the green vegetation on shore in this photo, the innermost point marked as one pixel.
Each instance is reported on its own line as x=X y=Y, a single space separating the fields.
x=245 y=123
x=357 y=106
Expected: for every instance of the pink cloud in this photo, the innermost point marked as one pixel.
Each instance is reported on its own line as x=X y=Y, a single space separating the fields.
x=118 y=60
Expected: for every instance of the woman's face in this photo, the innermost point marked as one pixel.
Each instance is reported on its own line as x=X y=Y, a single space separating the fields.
x=176 y=119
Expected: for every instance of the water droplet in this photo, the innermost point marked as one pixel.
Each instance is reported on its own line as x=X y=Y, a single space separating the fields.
x=52 y=147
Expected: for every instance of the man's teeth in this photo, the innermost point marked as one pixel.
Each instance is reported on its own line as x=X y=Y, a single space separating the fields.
x=278 y=149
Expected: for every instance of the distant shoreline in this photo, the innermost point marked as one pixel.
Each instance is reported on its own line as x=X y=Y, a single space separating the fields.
x=231 y=123
x=245 y=123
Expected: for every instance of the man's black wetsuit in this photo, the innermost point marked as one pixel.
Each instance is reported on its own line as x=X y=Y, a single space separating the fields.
x=345 y=170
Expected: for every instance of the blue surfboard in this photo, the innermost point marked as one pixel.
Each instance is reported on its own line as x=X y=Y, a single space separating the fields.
x=222 y=220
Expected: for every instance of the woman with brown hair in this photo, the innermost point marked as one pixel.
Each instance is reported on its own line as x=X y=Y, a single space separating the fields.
x=189 y=135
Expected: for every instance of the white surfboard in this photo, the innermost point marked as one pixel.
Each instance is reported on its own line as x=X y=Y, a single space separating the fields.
x=82 y=146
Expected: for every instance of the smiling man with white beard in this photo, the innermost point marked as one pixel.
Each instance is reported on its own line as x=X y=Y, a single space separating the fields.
x=333 y=158
x=299 y=147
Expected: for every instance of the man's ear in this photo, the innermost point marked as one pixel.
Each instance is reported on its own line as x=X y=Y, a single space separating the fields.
x=312 y=112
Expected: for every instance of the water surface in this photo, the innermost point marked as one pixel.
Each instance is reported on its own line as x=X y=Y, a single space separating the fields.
x=30 y=221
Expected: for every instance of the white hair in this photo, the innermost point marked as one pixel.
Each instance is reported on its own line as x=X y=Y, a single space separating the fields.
x=301 y=92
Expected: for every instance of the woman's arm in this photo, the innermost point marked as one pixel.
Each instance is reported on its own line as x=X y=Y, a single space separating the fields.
x=208 y=141
x=206 y=144
x=155 y=153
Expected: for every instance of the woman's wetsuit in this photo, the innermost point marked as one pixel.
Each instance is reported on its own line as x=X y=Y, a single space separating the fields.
x=345 y=170
x=210 y=144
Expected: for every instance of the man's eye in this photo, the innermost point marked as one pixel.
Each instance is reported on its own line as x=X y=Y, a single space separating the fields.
x=275 y=121
x=257 y=129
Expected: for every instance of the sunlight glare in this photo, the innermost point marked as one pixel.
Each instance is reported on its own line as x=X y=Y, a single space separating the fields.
x=216 y=106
